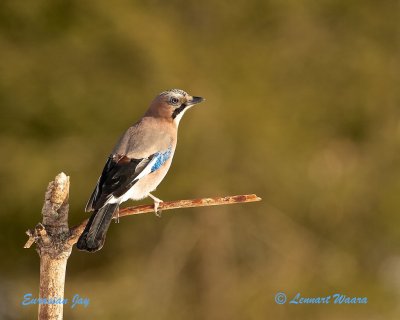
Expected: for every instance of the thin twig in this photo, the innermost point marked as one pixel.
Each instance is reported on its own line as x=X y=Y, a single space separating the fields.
x=54 y=240
x=168 y=205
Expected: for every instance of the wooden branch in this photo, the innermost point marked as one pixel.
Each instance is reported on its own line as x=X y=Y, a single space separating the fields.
x=54 y=240
x=169 y=205
x=50 y=237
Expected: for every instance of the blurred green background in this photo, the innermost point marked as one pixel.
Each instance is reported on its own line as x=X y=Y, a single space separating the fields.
x=302 y=108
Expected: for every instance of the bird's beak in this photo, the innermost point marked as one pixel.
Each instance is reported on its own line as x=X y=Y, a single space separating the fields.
x=194 y=100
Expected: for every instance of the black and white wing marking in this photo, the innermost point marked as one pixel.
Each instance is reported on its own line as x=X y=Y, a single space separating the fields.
x=120 y=173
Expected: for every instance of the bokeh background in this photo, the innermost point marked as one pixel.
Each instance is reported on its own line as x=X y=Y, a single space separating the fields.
x=302 y=108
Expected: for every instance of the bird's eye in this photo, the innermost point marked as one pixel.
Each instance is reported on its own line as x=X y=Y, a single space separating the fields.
x=174 y=100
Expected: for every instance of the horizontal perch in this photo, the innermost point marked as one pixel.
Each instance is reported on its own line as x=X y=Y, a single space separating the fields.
x=54 y=239
x=168 y=205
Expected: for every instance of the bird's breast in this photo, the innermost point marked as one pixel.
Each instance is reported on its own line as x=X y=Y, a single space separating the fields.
x=149 y=183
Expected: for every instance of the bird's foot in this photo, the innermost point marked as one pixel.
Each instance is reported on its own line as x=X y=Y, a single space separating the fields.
x=156 y=211
x=117 y=216
x=156 y=205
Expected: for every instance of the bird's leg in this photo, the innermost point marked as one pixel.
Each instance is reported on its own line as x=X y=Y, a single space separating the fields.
x=117 y=212
x=156 y=204
x=117 y=220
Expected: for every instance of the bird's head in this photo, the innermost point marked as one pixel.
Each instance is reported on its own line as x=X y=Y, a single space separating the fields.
x=172 y=104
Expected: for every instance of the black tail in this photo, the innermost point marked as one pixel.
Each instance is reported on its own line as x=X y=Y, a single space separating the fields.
x=93 y=237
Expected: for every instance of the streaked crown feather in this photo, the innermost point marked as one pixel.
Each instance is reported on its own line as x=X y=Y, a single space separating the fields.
x=178 y=91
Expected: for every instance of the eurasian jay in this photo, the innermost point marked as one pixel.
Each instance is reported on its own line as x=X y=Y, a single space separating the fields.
x=138 y=163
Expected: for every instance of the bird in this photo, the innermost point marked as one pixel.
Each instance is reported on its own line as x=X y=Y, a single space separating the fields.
x=136 y=166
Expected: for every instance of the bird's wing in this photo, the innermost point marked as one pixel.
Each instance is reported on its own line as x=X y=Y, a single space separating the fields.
x=120 y=173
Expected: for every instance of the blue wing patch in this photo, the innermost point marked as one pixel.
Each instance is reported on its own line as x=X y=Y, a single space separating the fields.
x=161 y=158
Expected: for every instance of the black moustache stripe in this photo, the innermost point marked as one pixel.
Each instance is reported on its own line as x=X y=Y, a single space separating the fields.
x=178 y=110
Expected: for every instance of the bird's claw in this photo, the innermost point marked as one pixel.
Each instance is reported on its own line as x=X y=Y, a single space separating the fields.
x=156 y=205
x=117 y=216
x=156 y=211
